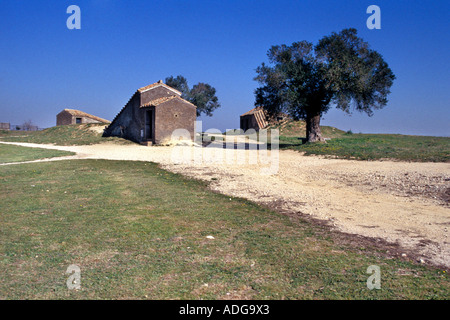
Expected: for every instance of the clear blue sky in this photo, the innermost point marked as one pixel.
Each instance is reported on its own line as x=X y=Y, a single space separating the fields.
x=124 y=45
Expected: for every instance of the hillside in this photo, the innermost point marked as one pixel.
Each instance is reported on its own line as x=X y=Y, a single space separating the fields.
x=76 y=134
x=347 y=145
x=298 y=129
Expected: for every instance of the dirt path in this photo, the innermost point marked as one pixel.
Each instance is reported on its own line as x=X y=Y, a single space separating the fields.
x=403 y=203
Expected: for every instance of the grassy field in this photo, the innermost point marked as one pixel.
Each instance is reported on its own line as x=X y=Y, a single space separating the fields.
x=138 y=232
x=347 y=145
x=11 y=153
x=76 y=134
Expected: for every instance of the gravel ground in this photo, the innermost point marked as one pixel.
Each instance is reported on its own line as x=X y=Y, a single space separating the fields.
x=399 y=202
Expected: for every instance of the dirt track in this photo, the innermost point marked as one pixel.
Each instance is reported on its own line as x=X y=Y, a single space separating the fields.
x=403 y=203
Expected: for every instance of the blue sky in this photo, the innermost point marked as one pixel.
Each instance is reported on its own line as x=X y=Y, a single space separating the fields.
x=124 y=45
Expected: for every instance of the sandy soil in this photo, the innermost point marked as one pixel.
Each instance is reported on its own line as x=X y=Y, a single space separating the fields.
x=400 y=202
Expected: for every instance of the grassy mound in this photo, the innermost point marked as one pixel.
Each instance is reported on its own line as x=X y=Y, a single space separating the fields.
x=380 y=147
x=347 y=145
x=297 y=129
x=76 y=134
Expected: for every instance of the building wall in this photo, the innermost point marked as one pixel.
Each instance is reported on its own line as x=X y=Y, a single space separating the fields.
x=63 y=118
x=66 y=118
x=85 y=120
x=155 y=93
x=128 y=123
x=172 y=115
x=249 y=122
x=5 y=126
x=169 y=116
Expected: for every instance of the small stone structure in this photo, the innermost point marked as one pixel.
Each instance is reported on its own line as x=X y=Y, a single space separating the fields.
x=71 y=116
x=258 y=119
x=155 y=114
x=5 y=126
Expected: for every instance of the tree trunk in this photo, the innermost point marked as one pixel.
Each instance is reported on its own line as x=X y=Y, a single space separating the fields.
x=313 y=133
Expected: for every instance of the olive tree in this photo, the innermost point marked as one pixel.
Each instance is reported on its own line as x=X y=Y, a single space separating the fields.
x=304 y=80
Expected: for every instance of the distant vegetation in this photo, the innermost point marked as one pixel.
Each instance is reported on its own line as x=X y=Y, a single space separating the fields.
x=202 y=95
x=76 y=134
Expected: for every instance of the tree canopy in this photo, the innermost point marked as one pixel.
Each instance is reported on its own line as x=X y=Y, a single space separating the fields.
x=304 y=80
x=202 y=94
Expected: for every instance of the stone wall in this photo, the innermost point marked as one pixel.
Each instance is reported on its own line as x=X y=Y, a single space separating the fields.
x=5 y=126
x=167 y=117
x=249 y=122
x=63 y=118
x=128 y=122
x=173 y=115
x=156 y=93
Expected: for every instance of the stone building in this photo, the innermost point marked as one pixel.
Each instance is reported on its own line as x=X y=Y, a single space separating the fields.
x=153 y=114
x=254 y=119
x=70 y=116
x=258 y=119
x=5 y=126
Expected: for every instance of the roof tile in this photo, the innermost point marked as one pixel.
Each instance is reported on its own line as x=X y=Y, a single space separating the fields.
x=157 y=102
x=78 y=113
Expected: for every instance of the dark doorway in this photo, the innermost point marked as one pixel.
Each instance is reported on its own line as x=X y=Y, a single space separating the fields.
x=78 y=120
x=149 y=124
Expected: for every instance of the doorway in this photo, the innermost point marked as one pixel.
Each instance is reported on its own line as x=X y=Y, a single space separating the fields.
x=149 y=124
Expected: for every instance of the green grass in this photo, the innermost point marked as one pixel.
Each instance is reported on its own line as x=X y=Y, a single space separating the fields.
x=76 y=134
x=11 y=153
x=347 y=145
x=377 y=147
x=138 y=232
x=297 y=129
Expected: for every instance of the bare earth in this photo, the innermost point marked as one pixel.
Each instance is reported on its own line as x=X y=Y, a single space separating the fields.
x=400 y=202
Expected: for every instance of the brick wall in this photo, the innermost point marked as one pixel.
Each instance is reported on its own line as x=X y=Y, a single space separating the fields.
x=169 y=116
x=175 y=114
x=155 y=93
x=5 y=126
x=64 y=118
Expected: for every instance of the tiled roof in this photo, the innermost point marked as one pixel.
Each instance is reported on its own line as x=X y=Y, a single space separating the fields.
x=253 y=111
x=157 y=102
x=78 y=113
x=158 y=84
x=260 y=116
x=151 y=86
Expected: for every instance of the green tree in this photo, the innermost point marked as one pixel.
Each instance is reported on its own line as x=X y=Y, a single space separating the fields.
x=179 y=83
x=305 y=80
x=202 y=94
